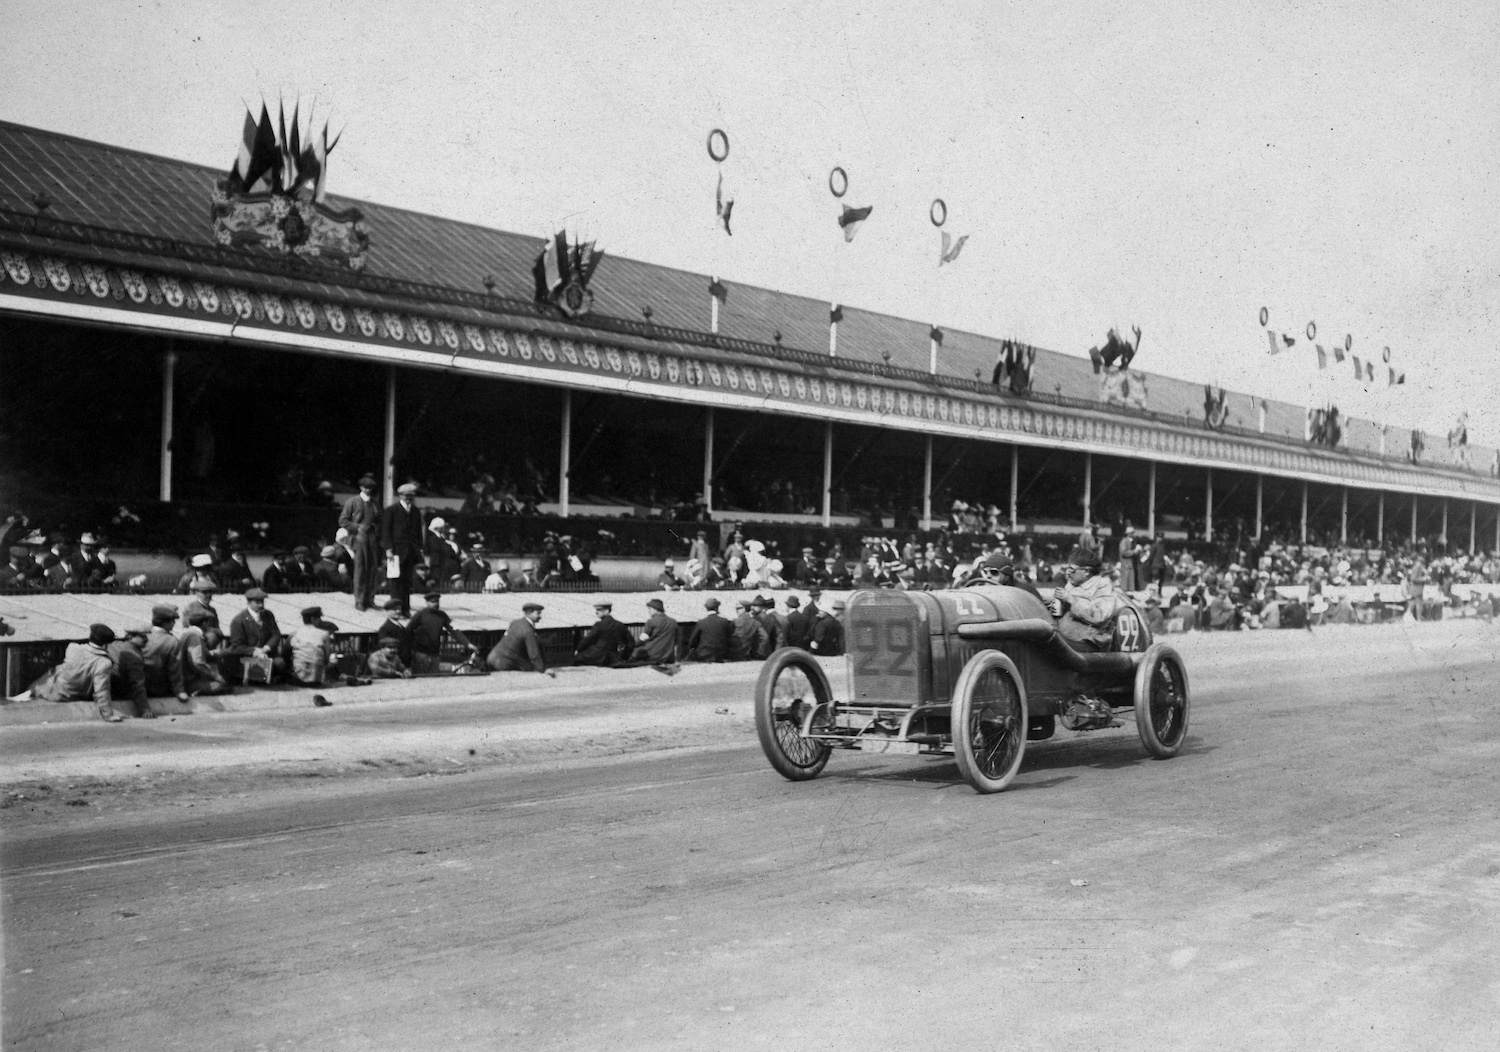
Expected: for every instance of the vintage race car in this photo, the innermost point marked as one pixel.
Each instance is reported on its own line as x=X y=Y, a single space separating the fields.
x=975 y=672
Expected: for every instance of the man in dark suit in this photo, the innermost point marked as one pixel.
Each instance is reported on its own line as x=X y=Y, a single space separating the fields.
x=519 y=650
x=710 y=637
x=361 y=517
x=798 y=624
x=401 y=533
x=607 y=642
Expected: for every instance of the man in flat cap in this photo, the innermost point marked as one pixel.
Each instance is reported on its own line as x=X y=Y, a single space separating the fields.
x=401 y=536
x=200 y=568
x=128 y=683
x=710 y=637
x=311 y=647
x=426 y=631
x=749 y=636
x=84 y=675
x=393 y=630
x=658 y=637
x=360 y=515
x=201 y=606
x=828 y=631
x=299 y=576
x=607 y=642
x=201 y=649
x=254 y=634
x=234 y=573
x=519 y=650
x=162 y=656
x=1085 y=607
x=475 y=569
x=327 y=577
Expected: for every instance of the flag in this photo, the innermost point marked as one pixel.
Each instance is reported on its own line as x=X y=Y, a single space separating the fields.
x=1322 y=356
x=835 y=314
x=588 y=262
x=1370 y=371
x=1338 y=353
x=1123 y=387
x=1097 y=359
x=1459 y=436
x=1359 y=369
x=294 y=151
x=247 y=149
x=851 y=218
x=935 y=335
x=1275 y=347
x=722 y=208
x=286 y=167
x=1396 y=378
x=265 y=159
x=1215 y=407
x=949 y=254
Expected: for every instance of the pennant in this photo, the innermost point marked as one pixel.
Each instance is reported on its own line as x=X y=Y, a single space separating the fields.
x=247 y=149
x=835 y=314
x=851 y=218
x=1370 y=371
x=1359 y=369
x=1215 y=406
x=722 y=208
x=320 y=150
x=265 y=158
x=949 y=254
x=1287 y=341
x=1275 y=347
x=1459 y=436
x=294 y=150
x=1322 y=356
x=1396 y=378
x=1020 y=362
x=1338 y=353
x=1001 y=365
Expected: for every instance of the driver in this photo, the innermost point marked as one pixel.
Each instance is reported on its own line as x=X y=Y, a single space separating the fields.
x=997 y=568
x=1085 y=607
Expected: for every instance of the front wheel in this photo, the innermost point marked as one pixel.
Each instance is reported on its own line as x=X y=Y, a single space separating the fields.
x=1161 y=701
x=791 y=682
x=989 y=719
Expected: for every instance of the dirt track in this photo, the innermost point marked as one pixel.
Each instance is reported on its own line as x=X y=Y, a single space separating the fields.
x=1320 y=868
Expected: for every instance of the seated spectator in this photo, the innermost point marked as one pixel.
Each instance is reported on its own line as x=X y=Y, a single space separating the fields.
x=162 y=656
x=84 y=675
x=343 y=541
x=475 y=569
x=65 y=568
x=427 y=630
x=311 y=647
x=20 y=574
x=1154 y=619
x=99 y=569
x=201 y=649
x=326 y=574
x=499 y=578
x=394 y=629
x=443 y=557
x=202 y=603
x=275 y=579
x=748 y=641
x=200 y=568
x=606 y=642
x=710 y=637
x=128 y=684
x=234 y=574
x=299 y=574
x=1221 y=612
x=254 y=633
x=668 y=580
x=519 y=650
x=658 y=637
x=386 y=663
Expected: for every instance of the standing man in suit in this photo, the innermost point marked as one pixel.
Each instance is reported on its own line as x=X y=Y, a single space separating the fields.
x=401 y=536
x=361 y=516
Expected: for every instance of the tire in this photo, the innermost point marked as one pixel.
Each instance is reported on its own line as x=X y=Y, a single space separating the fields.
x=989 y=721
x=1162 y=701
x=781 y=702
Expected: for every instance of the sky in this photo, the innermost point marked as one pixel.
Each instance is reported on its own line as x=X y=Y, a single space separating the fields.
x=1176 y=166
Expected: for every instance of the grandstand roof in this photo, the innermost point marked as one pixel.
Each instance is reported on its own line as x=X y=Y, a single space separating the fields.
x=162 y=203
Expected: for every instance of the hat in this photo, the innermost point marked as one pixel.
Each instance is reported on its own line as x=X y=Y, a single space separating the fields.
x=138 y=629
x=433 y=595
x=743 y=604
x=604 y=604
x=311 y=611
x=526 y=608
x=87 y=538
x=1085 y=557
x=101 y=635
x=163 y=612
x=656 y=604
x=340 y=535
x=203 y=584
x=391 y=604
x=792 y=602
x=839 y=604
x=329 y=551
x=477 y=546
x=407 y=489
x=198 y=562
x=814 y=592
x=200 y=616
x=1129 y=529
x=760 y=601
x=668 y=562
x=301 y=549
x=367 y=480
x=255 y=593
x=711 y=603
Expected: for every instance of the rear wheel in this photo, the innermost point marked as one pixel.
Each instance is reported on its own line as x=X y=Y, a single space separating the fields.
x=989 y=721
x=1161 y=701
x=791 y=682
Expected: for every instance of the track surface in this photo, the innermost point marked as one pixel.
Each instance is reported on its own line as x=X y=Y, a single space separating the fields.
x=1319 y=869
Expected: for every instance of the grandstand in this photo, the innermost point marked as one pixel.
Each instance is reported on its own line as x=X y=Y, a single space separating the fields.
x=150 y=368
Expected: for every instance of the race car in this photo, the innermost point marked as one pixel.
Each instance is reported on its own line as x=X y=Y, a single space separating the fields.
x=974 y=672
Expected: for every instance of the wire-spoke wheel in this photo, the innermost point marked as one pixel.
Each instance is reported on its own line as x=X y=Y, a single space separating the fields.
x=791 y=683
x=1161 y=701
x=989 y=720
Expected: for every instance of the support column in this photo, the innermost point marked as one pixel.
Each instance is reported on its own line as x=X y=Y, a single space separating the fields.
x=1260 y=484
x=1088 y=487
x=927 y=486
x=1443 y=535
x=1208 y=510
x=168 y=411
x=566 y=454
x=1304 y=512
x=1380 y=519
x=708 y=458
x=1015 y=477
x=1344 y=518
x=1262 y=416
x=388 y=473
x=828 y=474
x=1414 y=520
x=1496 y=548
x=713 y=304
x=1473 y=523
x=1151 y=503
x=932 y=346
x=835 y=312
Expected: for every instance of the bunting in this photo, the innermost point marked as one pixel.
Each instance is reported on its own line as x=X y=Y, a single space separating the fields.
x=851 y=219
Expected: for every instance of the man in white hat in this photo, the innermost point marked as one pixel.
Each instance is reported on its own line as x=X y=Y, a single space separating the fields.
x=200 y=568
